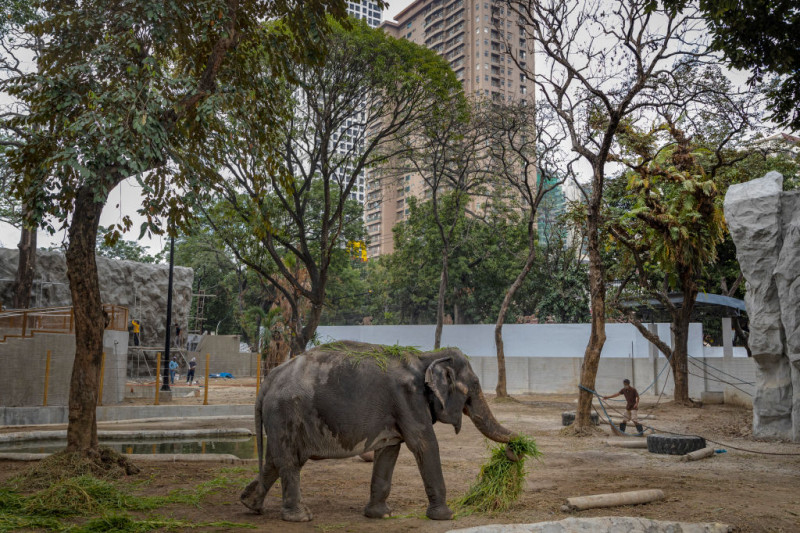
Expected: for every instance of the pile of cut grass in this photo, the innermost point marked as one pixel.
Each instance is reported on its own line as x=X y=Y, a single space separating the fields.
x=103 y=503
x=382 y=355
x=501 y=480
x=107 y=464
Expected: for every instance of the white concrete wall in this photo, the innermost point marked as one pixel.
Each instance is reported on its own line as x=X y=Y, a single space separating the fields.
x=547 y=358
x=520 y=340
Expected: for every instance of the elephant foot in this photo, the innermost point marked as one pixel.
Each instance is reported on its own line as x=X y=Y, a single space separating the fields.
x=301 y=513
x=439 y=512
x=377 y=510
x=253 y=495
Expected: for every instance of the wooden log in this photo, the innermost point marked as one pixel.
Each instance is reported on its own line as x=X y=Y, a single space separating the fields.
x=698 y=454
x=614 y=499
x=627 y=443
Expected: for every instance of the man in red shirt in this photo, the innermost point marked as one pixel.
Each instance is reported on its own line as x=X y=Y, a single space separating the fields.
x=632 y=406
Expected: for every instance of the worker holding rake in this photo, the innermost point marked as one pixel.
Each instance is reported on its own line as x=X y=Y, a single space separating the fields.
x=632 y=406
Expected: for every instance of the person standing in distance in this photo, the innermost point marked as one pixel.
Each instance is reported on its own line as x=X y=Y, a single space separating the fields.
x=631 y=408
x=190 y=375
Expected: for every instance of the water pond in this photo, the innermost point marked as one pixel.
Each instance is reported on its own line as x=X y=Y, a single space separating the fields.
x=241 y=447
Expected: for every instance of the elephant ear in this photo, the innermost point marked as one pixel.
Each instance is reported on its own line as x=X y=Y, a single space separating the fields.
x=440 y=378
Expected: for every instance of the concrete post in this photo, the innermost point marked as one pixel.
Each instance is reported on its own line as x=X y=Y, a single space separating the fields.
x=727 y=337
x=653 y=353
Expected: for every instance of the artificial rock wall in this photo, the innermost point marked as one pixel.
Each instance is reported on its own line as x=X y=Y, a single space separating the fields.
x=764 y=222
x=140 y=287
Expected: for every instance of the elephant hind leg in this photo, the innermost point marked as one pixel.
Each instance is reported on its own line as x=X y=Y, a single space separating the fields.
x=293 y=509
x=382 y=470
x=253 y=495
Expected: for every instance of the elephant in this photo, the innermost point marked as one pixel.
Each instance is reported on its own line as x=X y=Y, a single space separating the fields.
x=336 y=401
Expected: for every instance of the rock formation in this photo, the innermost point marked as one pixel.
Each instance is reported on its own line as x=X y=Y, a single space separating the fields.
x=140 y=287
x=764 y=222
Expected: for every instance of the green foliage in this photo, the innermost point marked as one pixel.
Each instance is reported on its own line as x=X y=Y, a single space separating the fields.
x=281 y=189
x=500 y=482
x=403 y=286
x=760 y=36
x=118 y=248
x=119 y=89
x=381 y=355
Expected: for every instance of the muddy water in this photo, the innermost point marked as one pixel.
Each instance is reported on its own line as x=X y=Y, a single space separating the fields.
x=244 y=448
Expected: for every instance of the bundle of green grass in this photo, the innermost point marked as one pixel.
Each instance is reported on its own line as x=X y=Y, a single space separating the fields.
x=500 y=481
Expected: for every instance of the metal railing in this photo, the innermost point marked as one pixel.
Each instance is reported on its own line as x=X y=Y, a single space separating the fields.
x=26 y=322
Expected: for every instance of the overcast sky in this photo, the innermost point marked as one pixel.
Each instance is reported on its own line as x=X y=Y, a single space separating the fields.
x=395 y=8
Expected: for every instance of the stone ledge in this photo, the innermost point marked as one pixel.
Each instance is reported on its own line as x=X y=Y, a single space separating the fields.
x=31 y=416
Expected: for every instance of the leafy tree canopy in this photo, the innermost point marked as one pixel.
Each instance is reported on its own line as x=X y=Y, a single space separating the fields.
x=761 y=36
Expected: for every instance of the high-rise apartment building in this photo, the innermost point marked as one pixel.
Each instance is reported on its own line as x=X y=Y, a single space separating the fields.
x=472 y=36
x=371 y=13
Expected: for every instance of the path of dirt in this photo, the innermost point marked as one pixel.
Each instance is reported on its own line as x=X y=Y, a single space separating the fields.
x=750 y=491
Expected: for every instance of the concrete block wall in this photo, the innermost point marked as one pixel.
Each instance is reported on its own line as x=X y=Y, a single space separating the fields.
x=547 y=358
x=224 y=356
x=520 y=340
x=24 y=362
x=562 y=374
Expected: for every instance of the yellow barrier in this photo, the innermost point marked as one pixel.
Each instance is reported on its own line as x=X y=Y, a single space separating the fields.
x=102 y=376
x=258 y=374
x=46 y=378
x=205 y=393
x=158 y=374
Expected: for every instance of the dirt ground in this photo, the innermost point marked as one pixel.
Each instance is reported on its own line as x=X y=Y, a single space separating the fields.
x=752 y=492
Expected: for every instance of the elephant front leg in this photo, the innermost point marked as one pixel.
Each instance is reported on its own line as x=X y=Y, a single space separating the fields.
x=382 y=470
x=293 y=509
x=426 y=452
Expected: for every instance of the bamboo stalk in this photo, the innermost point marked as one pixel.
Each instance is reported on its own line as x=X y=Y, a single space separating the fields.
x=102 y=377
x=46 y=377
x=614 y=499
x=158 y=374
x=205 y=392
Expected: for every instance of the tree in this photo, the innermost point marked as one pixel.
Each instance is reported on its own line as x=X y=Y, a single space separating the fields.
x=293 y=196
x=122 y=249
x=667 y=234
x=594 y=84
x=522 y=149
x=119 y=88
x=760 y=36
x=447 y=152
x=16 y=44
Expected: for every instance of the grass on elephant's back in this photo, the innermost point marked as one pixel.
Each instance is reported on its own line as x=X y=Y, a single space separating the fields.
x=382 y=355
x=501 y=480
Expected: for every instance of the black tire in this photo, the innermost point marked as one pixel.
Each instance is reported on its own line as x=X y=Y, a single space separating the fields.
x=674 y=444
x=568 y=417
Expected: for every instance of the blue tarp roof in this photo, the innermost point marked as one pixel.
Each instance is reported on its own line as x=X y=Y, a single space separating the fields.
x=705 y=302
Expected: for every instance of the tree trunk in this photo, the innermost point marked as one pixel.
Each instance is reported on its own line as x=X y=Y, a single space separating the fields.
x=89 y=323
x=437 y=340
x=501 y=388
x=680 y=332
x=300 y=342
x=26 y=267
x=597 y=336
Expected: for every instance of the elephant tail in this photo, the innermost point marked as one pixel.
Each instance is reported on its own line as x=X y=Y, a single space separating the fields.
x=260 y=435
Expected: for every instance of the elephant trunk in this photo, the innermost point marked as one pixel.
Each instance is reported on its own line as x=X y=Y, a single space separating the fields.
x=478 y=411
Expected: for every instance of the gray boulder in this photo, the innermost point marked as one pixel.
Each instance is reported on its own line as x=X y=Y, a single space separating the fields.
x=610 y=524
x=764 y=222
x=140 y=287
